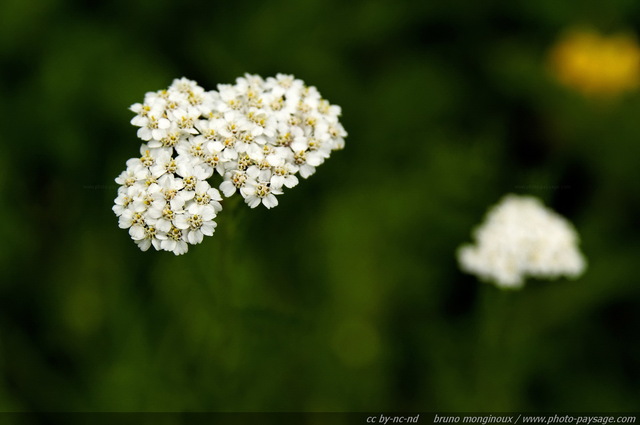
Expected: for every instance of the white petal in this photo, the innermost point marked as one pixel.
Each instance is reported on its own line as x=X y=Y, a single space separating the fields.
x=306 y=170
x=124 y=222
x=180 y=248
x=277 y=181
x=208 y=228
x=270 y=201
x=136 y=232
x=163 y=225
x=156 y=244
x=195 y=237
x=168 y=244
x=144 y=244
x=181 y=222
x=290 y=181
x=144 y=133
x=252 y=201
x=227 y=188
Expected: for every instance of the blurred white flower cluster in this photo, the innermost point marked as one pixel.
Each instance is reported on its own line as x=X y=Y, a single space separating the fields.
x=256 y=135
x=522 y=238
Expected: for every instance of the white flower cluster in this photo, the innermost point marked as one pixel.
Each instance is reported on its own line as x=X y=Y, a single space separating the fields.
x=520 y=238
x=256 y=135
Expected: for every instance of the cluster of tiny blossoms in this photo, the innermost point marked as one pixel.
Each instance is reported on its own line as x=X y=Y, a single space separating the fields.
x=256 y=136
x=521 y=238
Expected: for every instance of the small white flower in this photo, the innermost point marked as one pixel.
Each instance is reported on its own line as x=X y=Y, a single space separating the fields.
x=147 y=238
x=256 y=192
x=186 y=86
x=147 y=159
x=152 y=106
x=522 y=238
x=191 y=170
x=173 y=241
x=171 y=189
x=165 y=163
x=196 y=222
x=162 y=216
x=192 y=147
x=284 y=175
x=231 y=125
x=122 y=202
x=186 y=119
x=173 y=136
x=229 y=98
x=206 y=131
x=149 y=198
x=156 y=100
x=207 y=196
x=233 y=180
x=141 y=109
x=306 y=162
x=263 y=124
x=151 y=127
x=132 y=220
x=131 y=176
x=213 y=160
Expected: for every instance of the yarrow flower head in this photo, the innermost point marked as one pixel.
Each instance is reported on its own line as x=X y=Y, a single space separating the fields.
x=522 y=238
x=255 y=137
x=267 y=131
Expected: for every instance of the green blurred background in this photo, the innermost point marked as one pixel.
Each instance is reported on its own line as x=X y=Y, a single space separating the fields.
x=347 y=296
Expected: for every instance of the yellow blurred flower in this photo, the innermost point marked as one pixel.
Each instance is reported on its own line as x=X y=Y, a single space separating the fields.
x=596 y=65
